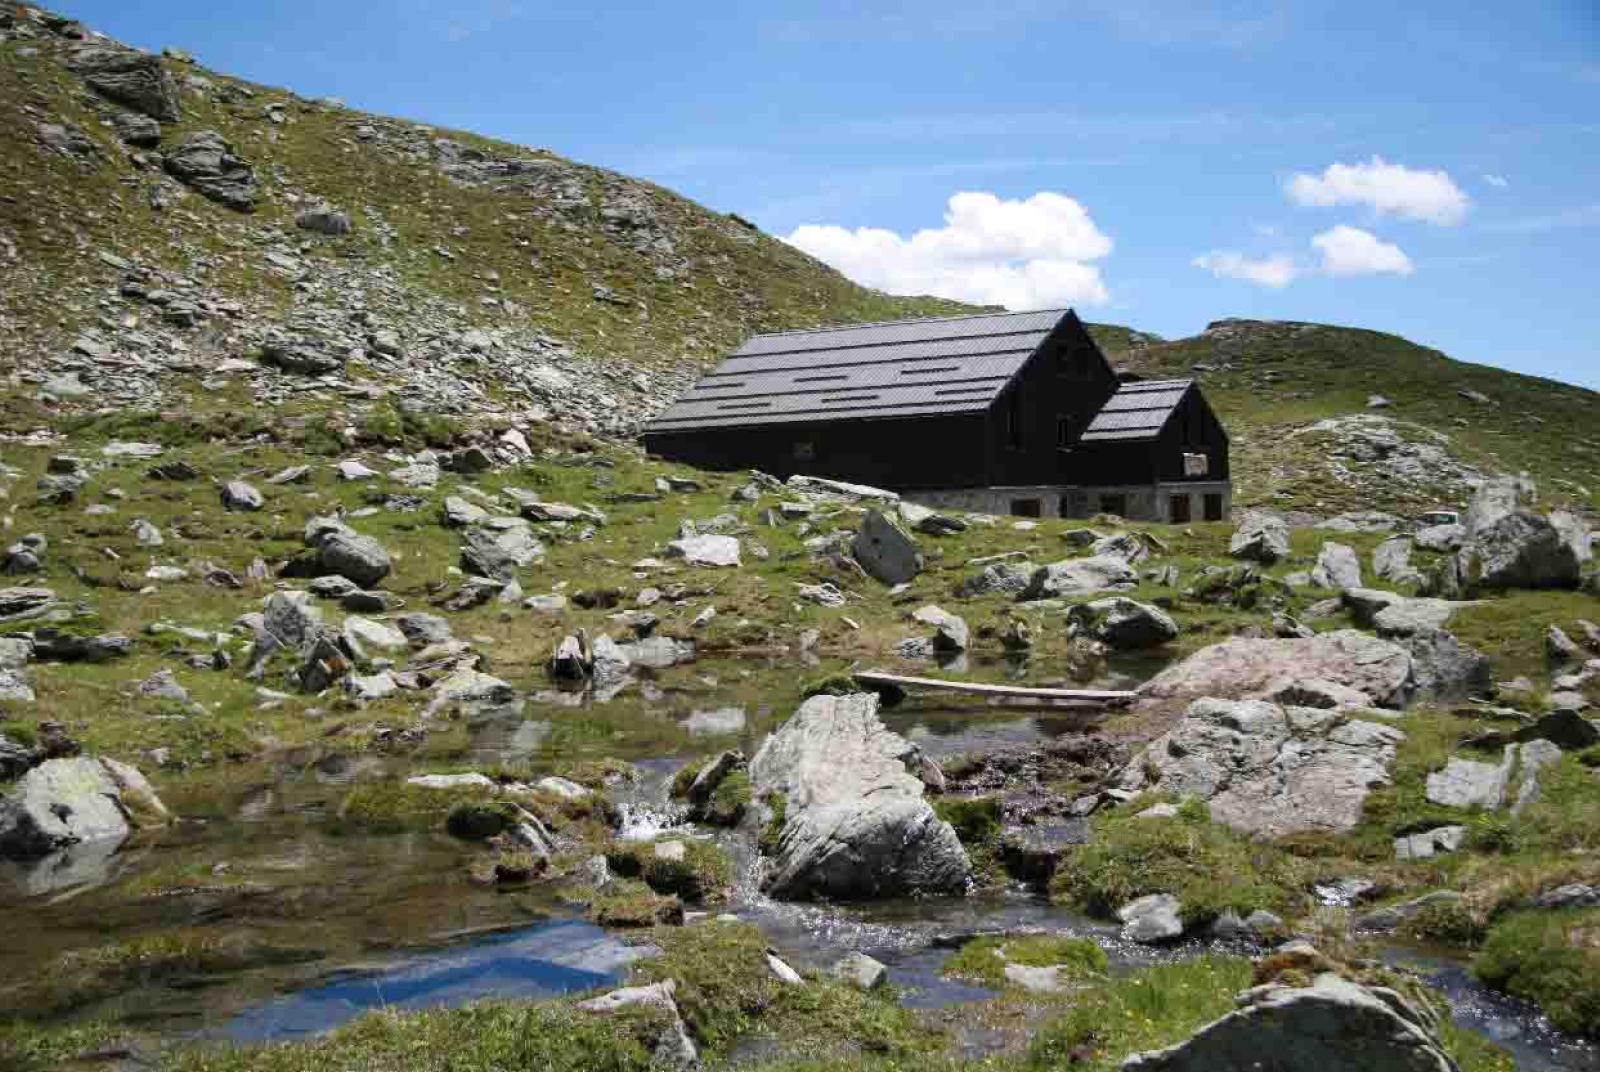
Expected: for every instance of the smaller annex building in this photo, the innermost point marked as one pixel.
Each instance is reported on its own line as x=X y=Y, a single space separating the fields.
x=1015 y=413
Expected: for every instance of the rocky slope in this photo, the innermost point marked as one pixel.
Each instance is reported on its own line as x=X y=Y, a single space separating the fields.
x=169 y=233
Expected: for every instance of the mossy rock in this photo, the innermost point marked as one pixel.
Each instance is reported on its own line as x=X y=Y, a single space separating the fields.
x=634 y=904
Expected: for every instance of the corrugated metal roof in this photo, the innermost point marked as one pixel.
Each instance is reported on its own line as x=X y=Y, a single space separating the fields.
x=1139 y=410
x=899 y=368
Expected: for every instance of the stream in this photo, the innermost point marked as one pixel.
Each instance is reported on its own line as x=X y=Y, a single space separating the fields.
x=324 y=926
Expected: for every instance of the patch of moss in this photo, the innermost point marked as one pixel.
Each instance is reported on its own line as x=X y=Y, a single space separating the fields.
x=778 y=807
x=984 y=959
x=703 y=874
x=1550 y=958
x=1208 y=867
x=388 y=807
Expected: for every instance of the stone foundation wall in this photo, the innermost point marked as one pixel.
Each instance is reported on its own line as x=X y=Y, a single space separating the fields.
x=1136 y=502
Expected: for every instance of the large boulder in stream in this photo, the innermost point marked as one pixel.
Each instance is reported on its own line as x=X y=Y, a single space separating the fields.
x=66 y=802
x=1266 y=769
x=856 y=824
x=1332 y=1025
x=1252 y=669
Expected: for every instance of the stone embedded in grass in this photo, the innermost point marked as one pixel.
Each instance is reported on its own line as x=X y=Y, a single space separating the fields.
x=1079 y=576
x=238 y=495
x=1429 y=843
x=706 y=550
x=950 y=632
x=1261 y=537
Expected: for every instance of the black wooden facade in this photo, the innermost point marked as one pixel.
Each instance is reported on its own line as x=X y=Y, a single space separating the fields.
x=996 y=401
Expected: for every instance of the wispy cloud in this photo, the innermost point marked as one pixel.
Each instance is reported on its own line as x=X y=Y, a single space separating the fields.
x=1205 y=127
x=1497 y=181
x=1566 y=220
x=1276 y=271
x=1241 y=24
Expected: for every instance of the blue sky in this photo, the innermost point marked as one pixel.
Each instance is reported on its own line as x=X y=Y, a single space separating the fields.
x=1426 y=168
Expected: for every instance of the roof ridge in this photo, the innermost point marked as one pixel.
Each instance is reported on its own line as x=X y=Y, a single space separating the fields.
x=907 y=320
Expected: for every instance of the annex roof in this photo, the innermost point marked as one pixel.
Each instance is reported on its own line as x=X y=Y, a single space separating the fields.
x=1138 y=410
x=899 y=368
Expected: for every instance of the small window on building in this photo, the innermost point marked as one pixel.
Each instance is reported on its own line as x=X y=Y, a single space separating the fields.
x=1214 y=507
x=1178 y=509
x=1025 y=507
x=1014 y=420
x=1063 y=431
x=1116 y=505
x=805 y=450
x=1196 y=464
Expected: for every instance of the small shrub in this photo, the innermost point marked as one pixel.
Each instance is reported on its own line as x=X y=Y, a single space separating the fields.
x=729 y=802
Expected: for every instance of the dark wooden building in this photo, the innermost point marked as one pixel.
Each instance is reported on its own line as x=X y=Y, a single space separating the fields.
x=1006 y=413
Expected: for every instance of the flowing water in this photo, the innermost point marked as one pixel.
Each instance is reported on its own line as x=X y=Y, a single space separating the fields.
x=327 y=925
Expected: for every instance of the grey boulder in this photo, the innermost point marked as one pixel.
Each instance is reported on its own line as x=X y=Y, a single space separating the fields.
x=1333 y=1025
x=1261 y=537
x=1150 y=919
x=887 y=554
x=1508 y=545
x=1122 y=623
x=1337 y=567
x=856 y=823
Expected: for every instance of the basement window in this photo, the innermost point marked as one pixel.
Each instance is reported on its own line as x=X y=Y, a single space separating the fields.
x=1025 y=507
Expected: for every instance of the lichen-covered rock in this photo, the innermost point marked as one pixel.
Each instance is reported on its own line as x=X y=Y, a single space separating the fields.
x=1337 y=567
x=856 y=823
x=1257 y=669
x=1266 y=769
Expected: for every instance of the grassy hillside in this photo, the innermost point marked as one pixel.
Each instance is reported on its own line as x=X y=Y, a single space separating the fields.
x=1271 y=382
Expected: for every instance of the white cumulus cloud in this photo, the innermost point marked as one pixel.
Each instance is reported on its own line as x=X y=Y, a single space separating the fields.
x=1431 y=196
x=1497 y=181
x=1348 y=251
x=1276 y=271
x=1021 y=254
